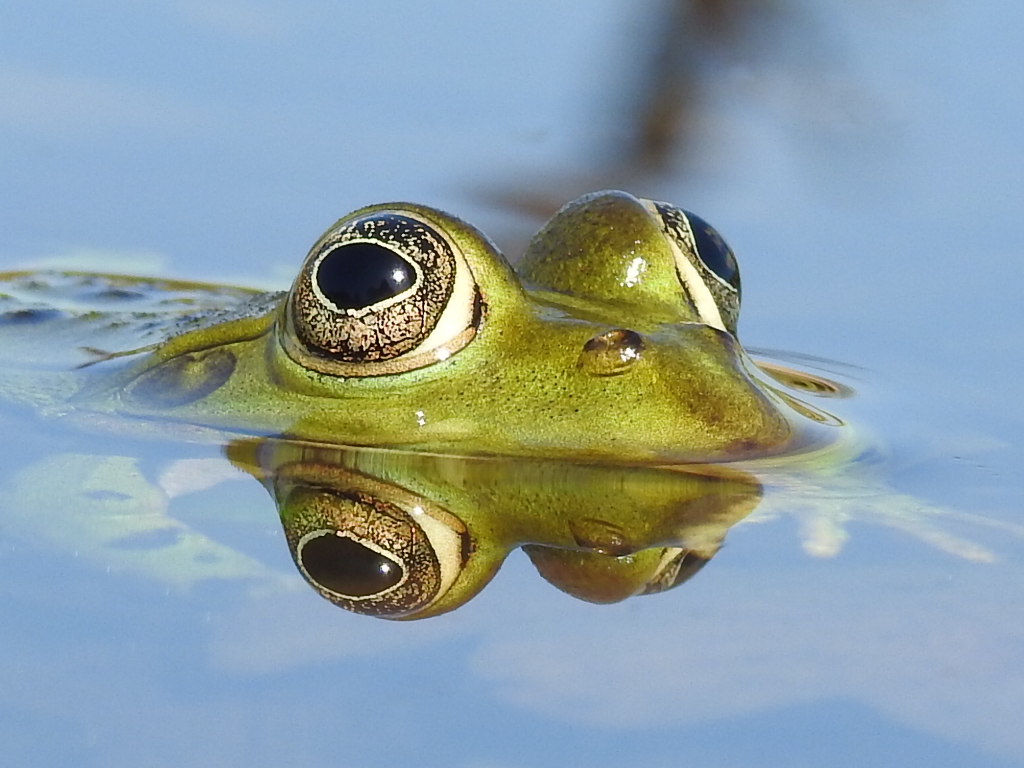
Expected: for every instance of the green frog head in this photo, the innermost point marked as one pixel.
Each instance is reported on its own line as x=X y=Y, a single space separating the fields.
x=613 y=339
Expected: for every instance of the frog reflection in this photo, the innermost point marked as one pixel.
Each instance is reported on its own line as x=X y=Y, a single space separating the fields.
x=408 y=535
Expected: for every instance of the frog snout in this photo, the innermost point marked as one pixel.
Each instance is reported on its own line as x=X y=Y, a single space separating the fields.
x=611 y=353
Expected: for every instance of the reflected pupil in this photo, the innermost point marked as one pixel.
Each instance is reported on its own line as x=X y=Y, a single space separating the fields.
x=712 y=249
x=361 y=274
x=348 y=568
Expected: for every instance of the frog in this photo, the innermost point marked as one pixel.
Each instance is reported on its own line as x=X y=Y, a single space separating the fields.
x=611 y=343
x=612 y=340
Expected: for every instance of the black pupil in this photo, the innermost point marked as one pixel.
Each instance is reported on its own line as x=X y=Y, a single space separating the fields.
x=712 y=249
x=358 y=275
x=348 y=568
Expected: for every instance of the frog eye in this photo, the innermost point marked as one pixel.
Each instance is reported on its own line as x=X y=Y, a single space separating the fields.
x=370 y=555
x=677 y=565
x=705 y=264
x=383 y=293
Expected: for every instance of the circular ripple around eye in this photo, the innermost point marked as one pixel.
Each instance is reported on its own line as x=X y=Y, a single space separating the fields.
x=184 y=379
x=805 y=382
x=348 y=568
x=360 y=275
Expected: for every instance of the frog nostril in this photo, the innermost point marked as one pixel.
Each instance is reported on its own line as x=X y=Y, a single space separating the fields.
x=611 y=353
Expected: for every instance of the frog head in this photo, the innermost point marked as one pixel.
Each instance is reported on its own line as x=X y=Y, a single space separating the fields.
x=613 y=339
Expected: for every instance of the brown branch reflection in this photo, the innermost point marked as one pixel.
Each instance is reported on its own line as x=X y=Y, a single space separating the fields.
x=691 y=40
x=685 y=48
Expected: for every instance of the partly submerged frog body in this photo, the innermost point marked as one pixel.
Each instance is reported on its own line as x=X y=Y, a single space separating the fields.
x=610 y=351
x=613 y=340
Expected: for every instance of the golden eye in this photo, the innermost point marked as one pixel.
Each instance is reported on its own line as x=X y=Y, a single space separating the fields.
x=382 y=557
x=383 y=293
x=706 y=266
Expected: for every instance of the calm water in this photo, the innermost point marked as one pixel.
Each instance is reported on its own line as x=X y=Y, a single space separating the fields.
x=864 y=162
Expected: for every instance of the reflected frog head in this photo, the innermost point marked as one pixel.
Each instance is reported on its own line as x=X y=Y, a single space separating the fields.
x=404 y=535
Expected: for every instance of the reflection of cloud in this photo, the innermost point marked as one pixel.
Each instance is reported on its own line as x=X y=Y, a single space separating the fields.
x=944 y=655
x=75 y=105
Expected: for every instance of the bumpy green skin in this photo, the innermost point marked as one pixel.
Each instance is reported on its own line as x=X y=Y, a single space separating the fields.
x=517 y=388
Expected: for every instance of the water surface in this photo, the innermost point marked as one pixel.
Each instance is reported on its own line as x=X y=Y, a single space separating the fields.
x=864 y=163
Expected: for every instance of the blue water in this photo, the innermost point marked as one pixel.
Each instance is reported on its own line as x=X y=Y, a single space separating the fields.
x=866 y=168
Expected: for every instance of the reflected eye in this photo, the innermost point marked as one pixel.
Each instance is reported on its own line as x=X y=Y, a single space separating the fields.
x=369 y=554
x=705 y=264
x=348 y=567
x=380 y=294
